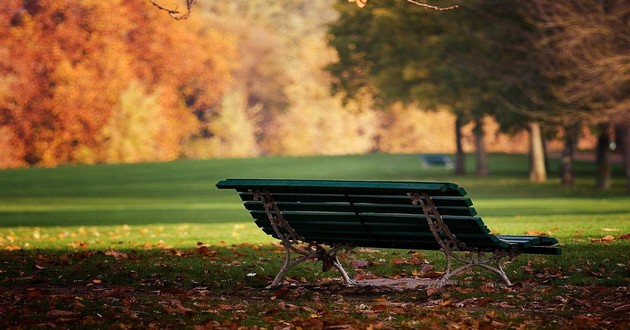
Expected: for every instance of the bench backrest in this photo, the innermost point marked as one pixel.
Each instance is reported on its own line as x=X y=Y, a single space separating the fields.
x=366 y=213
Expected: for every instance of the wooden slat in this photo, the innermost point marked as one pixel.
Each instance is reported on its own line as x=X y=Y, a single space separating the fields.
x=398 y=199
x=313 y=198
x=376 y=220
x=358 y=208
x=343 y=187
x=543 y=250
x=405 y=200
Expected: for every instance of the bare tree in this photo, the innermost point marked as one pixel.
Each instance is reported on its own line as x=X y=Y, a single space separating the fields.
x=583 y=48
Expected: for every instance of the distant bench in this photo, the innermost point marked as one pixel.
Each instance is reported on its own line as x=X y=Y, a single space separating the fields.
x=433 y=160
x=316 y=219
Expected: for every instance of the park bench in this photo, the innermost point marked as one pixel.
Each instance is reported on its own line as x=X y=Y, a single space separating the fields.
x=436 y=160
x=317 y=219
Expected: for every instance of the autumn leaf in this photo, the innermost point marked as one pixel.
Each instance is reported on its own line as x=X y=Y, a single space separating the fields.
x=604 y=239
x=116 y=254
x=80 y=245
x=175 y=307
x=360 y=264
x=61 y=313
x=12 y=247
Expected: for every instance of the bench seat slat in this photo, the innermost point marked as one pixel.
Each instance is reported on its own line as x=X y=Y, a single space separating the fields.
x=359 y=208
x=384 y=231
x=543 y=250
x=404 y=242
x=389 y=239
x=397 y=199
x=375 y=221
x=541 y=240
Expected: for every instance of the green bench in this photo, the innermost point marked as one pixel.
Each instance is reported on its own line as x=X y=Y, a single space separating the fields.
x=436 y=160
x=317 y=219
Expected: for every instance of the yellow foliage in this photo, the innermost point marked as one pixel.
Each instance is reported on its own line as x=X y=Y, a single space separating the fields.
x=133 y=132
x=233 y=131
x=322 y=127
x=409 y=130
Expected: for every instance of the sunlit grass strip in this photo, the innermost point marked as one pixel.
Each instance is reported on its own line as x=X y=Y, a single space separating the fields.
x=124 y=237
x=71 y=205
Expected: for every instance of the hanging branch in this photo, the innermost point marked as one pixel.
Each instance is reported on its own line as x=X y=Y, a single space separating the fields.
x=427 y=6
x=362 y=3
x=175 y=13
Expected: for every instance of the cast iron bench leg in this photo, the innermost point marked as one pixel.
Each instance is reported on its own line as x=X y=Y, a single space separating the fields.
x=289 y=237
x=449 y=244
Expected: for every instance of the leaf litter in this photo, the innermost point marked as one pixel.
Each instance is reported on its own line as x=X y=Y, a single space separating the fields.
x=154 y=289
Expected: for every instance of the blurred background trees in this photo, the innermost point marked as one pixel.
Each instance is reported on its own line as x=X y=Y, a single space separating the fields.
x=121 y=81
x=539 y=66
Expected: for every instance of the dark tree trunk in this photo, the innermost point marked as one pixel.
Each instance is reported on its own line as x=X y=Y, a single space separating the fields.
x=481 y=156
x=460 y=156
x=623 y=135
x=571 y=135
x=603 y=179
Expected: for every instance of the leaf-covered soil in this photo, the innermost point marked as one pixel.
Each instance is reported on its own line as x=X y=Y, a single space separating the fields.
x=224 y=288
x=527 y=305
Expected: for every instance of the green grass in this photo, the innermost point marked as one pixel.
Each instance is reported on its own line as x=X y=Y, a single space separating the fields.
x=111 y=232
x=176 y=202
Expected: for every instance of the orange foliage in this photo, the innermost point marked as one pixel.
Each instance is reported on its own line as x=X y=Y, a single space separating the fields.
x=67 y=65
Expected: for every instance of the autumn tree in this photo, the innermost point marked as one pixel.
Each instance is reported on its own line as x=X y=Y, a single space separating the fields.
x=68 y=65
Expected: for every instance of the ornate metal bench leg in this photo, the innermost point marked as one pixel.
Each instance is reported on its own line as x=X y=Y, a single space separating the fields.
x=286 y=265
x=343 y=273
x=449 y=244
x=499 y=271
x=290 y=237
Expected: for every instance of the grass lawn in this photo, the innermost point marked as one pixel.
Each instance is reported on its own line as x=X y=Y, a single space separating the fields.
x=156 y=245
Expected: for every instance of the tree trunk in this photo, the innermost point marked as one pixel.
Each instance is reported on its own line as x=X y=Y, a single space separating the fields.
x=460 y=157
x=481 y=156
x=566 y=164
x=623 y=134
x=603 y=179
x=537 y=171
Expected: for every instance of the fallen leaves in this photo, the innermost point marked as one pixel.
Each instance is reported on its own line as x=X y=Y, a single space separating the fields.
x=221 y=286
x=536 y=233
x=175 y=307
x=610 y=238
x=607 y=238
x=12 y=247
x=57 y=313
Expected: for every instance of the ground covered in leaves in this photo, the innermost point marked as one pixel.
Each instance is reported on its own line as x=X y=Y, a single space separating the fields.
x=224 y=288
